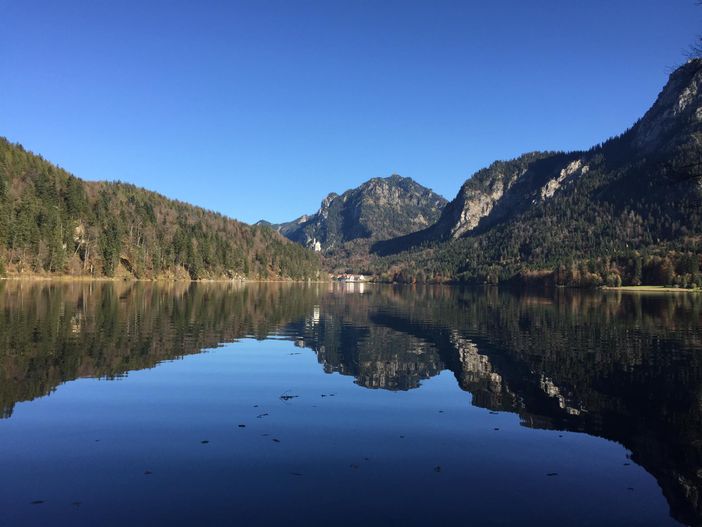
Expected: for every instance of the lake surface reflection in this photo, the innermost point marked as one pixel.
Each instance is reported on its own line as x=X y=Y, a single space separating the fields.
x=324 y=404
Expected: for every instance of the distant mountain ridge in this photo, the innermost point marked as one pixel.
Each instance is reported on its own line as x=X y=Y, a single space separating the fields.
x=379 y=209
x=635 y=192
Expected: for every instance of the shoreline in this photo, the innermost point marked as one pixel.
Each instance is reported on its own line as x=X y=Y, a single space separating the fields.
x=83 y=278
x=69 y=278
x=650 y=289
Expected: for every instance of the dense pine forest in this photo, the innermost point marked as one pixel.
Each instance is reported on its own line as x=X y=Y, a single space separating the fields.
x=52 y=223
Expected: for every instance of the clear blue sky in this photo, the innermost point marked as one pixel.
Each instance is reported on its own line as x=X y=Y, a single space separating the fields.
x=258 y=109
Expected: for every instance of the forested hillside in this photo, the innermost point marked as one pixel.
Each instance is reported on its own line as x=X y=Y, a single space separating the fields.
x=54 y=223
x=627 y=211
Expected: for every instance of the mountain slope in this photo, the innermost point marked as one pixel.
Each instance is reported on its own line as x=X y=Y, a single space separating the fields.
x=54 y=223
x=381 y=208
x=637 y=193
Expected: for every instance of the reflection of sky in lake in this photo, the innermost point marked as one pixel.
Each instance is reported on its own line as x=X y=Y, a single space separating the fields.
x=356 y=457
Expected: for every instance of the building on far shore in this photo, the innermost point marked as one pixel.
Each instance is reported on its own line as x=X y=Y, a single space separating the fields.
x=345 y=277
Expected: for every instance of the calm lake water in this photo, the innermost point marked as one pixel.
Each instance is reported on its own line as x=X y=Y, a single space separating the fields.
x=139 y=404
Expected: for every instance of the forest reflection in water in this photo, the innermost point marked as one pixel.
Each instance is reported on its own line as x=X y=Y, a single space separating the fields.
x=625 y=367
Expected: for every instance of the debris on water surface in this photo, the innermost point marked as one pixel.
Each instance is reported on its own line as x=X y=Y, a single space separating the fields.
x=354 y=465
x=402 y=437
x=147 y=472
x=552 y=474
x=204 y=441
x=495 y=428
x=276 y=440
x=38 y=502
x=441 y=411
x=76 y=503
x=630 y=488
x=627 y=464
x=242 y=426
x=493 y=413
x=288 y=397
x=265 y=435
x=261 y=416
x=296 y=474
x=437 y=468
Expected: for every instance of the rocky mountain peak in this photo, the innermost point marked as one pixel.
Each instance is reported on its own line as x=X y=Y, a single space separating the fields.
x=380 y=208
x=327 y=201
x=677 y=108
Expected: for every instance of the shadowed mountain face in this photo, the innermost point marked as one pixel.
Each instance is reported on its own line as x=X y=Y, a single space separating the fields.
x=624 y=367
x=638 y=191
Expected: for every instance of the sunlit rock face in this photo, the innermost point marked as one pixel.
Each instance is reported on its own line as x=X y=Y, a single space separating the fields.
x=504 y=189
x=573 y=170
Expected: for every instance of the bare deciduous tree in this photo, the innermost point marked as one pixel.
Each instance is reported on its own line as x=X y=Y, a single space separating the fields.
x=696 y=48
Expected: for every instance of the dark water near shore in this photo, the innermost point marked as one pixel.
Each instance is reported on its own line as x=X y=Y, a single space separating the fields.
x=138 y=404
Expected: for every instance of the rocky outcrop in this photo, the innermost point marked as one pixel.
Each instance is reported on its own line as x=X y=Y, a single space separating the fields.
x=573 y=170
x=504 y=189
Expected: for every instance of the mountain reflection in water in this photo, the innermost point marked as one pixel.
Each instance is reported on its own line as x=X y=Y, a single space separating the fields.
x=625 y=367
